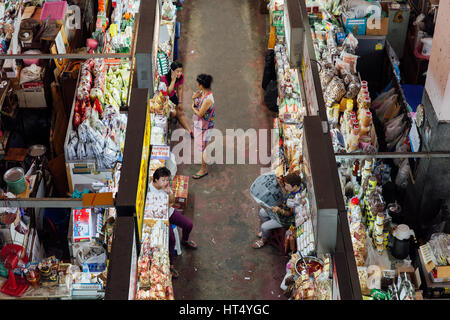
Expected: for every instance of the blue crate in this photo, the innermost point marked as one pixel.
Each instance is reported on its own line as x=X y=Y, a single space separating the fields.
x=177 y=30
x=96 y=267
x=175 y=50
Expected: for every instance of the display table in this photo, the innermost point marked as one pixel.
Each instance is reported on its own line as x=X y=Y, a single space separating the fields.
x=39 y=293
x=432 y=289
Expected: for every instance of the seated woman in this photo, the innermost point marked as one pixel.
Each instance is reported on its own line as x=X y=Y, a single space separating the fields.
x=292 y=186
x=161 y=183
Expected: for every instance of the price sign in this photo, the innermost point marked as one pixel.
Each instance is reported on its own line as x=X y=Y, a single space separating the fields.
x=140 y=197
x=160 y=152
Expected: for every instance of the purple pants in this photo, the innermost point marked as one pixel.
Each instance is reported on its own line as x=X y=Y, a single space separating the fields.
x=185 y=224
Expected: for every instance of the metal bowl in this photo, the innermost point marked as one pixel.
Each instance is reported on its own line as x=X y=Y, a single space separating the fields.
x=308 y=260
x=37 y=150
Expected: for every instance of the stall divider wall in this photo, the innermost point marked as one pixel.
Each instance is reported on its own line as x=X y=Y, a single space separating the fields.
x=144 y=45
x=310 y=67
x=121 y=282
x=125 y=238
x=126 y=200
x=324 y=215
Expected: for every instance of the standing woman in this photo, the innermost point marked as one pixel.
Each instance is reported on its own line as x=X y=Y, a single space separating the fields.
x=174 y=81
x=204 y=114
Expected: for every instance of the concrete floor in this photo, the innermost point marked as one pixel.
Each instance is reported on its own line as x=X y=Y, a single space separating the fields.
x=227 y=39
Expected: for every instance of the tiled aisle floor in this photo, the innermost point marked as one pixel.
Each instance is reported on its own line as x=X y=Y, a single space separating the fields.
x=227 y=39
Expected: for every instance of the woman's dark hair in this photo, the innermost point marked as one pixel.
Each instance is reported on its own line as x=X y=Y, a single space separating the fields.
x=205 y=80
x=174 y=66
x=293 y=180
x=161 y=173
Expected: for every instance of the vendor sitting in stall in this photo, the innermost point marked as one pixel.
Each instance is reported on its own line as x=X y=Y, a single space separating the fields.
x=161 y=183
x=291 y=186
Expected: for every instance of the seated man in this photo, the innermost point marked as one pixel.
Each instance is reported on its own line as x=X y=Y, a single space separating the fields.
x=292 y=186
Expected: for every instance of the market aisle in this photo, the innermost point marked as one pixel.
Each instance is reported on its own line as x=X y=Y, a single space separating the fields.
x=226 y=39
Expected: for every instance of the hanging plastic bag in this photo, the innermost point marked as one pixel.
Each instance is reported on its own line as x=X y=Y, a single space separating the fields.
x=374 y=277
x=378 y=102
x=376 y=258
x=387 y=105
x=403 y=174
x=350 y=42
x=394 y=128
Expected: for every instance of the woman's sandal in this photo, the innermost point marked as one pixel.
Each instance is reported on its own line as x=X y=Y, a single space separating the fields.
x=199 y=176
x=258 y=244
x=190 y=244
x=174 y=272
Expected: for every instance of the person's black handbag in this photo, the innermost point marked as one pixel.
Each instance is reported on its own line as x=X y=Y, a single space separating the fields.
x=269 y=69
x=270 y=96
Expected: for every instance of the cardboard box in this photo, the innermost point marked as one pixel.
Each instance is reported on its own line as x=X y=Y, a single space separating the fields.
x=355 y=26
x=31 y=99
x=373 y=29
x=180 y=186
x=411 y=274
x=418 y=295
x=443 y=272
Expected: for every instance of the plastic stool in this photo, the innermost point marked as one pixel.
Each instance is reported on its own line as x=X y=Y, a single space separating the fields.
x=177 y=30
x=175 y=50
x=177 y=239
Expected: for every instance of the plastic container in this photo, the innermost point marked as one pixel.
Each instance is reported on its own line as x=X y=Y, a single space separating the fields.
x=15 y=179
x=427 y=43
x=29 y=62
x=56 y=10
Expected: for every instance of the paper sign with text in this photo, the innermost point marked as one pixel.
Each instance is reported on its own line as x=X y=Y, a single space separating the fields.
x=160 y=152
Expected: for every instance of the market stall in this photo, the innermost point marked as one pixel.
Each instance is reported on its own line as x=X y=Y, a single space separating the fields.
x=150 y=272
x=302 y=147
x=64 y=244
x=374 y=135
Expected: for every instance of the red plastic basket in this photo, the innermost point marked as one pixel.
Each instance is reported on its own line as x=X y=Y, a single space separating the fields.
x=55 y=10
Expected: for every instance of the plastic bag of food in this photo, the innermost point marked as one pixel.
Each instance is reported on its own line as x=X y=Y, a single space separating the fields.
x=335 y=90
x=394 y=128
x=82 y=132
x=351 y=59
x=99 y=66
x=89 y=151
x=388 y=107
x=350 y=42
x=353 y=89
x=343 y=67
x=326 y=75
x=374 y=257
x=378 y=102
x=81 y=151
x=168 y=11
x=72 y=148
